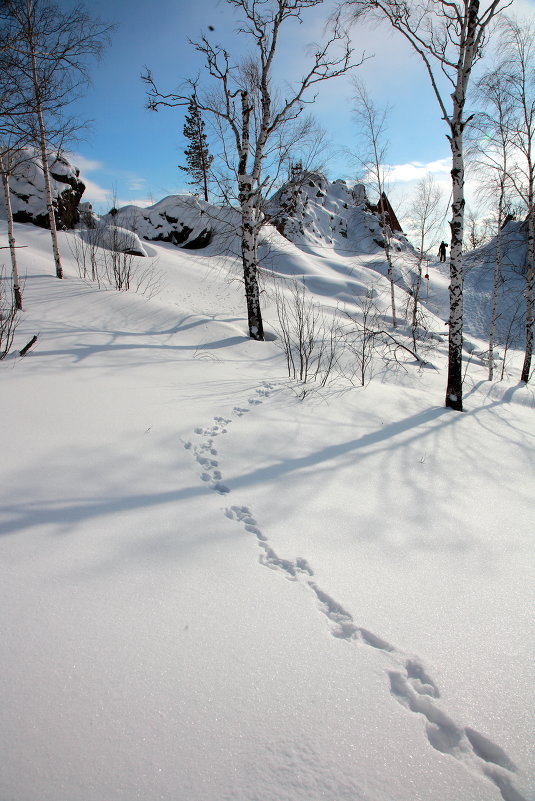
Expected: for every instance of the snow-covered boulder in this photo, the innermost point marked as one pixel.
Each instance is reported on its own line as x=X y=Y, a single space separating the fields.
x=28 y=197
x=113 y=237
x=183 y=220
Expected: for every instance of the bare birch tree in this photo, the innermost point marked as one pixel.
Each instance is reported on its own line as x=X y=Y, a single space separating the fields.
x=6 y=167
x=425 y=215
x=517 y=72
x=372 y=124
x=252 y=116
x=12 y=152
x=46 y=66
x=492 y=158
x=449 y=37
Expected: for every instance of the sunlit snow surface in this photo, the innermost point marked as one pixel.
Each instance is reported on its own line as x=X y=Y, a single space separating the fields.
x=212 y=591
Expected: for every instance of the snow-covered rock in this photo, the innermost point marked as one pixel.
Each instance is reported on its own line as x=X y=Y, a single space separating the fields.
x=113 y=237
x=28 y=197
x=311 y=211
x=183 y=220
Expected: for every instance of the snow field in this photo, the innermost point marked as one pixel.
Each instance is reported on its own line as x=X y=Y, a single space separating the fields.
x=212 y=591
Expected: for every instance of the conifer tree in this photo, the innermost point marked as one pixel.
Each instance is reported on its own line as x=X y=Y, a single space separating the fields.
x=197 y=155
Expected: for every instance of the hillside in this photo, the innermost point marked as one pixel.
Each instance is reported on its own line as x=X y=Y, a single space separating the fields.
x=213 y=591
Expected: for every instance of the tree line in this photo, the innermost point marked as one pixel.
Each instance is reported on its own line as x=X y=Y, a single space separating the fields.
x=44 y=65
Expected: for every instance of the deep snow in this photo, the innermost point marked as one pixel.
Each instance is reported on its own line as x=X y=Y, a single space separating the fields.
x=212 y=591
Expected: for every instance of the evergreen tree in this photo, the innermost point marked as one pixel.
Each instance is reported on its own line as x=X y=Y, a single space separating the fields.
x=197 y=156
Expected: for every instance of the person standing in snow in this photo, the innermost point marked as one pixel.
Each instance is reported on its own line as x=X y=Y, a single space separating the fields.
x=442 y=251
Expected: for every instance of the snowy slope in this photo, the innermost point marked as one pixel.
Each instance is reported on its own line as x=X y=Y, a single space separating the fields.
x=211 y=591
x=479 y=275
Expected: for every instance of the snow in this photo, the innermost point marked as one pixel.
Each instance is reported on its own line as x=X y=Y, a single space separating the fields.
x=212 y=591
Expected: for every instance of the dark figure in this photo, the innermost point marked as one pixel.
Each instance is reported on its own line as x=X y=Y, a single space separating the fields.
x=442 y=251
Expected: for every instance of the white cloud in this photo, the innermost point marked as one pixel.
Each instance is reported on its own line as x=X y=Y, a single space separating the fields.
x=415 y=170
x=141 y=202
x=105 y=197
x=136 y=184
x=84 y=164
x=95 y=193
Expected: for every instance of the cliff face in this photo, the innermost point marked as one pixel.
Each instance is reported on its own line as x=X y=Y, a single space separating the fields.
x=28 y=199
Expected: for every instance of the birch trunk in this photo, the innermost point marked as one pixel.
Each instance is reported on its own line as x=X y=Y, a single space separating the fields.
x=416 y=293
x=454 y=388
x=249 y=227
x=46 y=171
x=526 y=367
x=249 y=251
x=390 y=274
x=17 y=293
x=467 y=53
x=495 y=285
x=388 y=254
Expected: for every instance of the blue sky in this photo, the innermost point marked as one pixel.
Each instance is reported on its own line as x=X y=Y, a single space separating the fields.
x=133 y=153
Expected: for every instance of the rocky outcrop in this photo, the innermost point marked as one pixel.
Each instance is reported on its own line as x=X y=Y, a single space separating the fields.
x=311 y=211
x=28 y=197
x=183 y=220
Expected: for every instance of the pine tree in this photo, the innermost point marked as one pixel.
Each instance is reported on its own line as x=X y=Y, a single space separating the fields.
x=197 y=156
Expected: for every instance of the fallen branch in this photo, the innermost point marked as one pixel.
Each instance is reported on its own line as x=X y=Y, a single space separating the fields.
x=399 y=344
x=27 y=347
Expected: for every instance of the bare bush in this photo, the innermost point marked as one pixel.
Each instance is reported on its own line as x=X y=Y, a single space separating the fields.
x=368 y=340
x=85 y=251
x=311 y=339
x=423 y=339
x=361 y=337
x=103 y=256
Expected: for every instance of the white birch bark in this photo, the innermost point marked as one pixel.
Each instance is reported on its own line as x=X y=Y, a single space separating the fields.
x=495 y=285
x=17 y=293
x=249 y=228
x=526 y=367
x=467 y=53
x=390 y=270
x=530 y=197
x=46 y=171
x=454 y=389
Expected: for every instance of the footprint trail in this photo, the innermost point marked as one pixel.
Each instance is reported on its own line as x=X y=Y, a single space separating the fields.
x=268 y=557
x=410 y=683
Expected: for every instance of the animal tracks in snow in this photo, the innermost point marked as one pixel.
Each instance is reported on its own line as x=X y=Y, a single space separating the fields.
x=205 y=450
x=268 y=557
x=205 y=453
x=410 y=683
